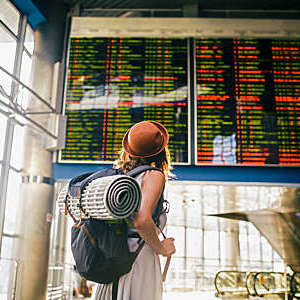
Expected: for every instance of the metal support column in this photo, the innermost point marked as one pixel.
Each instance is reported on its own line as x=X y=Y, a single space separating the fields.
x=36 y=205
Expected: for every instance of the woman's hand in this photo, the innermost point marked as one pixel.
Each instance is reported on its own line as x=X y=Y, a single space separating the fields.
x=168 y=246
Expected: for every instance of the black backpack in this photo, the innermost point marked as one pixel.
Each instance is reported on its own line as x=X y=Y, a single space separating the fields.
x=99 y=247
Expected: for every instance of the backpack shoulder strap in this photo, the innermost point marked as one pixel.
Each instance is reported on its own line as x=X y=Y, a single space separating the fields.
x=80 y=178
x=98 y=174
x=140 y=169
x=159 y=209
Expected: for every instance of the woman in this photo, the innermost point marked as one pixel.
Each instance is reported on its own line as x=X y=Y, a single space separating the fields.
x=144 y=144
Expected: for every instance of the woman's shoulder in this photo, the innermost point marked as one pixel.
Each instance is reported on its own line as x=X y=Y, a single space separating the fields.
x=156 y=176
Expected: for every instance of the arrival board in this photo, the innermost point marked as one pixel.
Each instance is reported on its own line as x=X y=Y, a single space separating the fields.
x=113 y=83
x=248 y=101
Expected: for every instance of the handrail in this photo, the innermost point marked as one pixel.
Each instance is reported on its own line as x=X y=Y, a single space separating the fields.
x=28 y=119
x=16 y=110
x=260 y=280
x=28 y=88
x=250 y=280
x=58 y=287
x=237 y=279
x=295 y=285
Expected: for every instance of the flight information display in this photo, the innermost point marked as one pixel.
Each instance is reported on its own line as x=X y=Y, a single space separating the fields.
x=248 y=101
x=113 y=83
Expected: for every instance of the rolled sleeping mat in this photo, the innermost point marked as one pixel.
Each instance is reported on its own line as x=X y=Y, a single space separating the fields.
x=107 y=198
x=73 y=202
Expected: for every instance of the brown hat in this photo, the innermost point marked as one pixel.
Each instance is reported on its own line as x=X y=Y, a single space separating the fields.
x=145 y=139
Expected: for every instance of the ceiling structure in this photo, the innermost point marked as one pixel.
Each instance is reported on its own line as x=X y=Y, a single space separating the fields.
x=285 y=9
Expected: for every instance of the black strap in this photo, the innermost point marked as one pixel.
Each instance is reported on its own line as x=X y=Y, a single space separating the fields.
x=140 y=169
x=114 y=293
x=67 y=210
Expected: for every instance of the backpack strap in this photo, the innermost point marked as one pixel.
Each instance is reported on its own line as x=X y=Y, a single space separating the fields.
x=140 y=169
x=159 y=207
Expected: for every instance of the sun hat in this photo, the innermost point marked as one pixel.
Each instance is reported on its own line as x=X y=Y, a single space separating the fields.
x=145 y=139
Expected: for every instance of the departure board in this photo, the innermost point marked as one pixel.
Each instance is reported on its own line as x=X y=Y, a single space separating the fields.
x=113 y=83
x=248 y=101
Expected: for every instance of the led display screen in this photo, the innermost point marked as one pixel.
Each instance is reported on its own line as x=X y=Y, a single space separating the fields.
x=248 y=101
x=113 y=83
x=246 y=104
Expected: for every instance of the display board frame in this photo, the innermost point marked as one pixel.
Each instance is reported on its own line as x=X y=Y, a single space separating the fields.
x=259 y=37
x=189 y=28
x=188 y=80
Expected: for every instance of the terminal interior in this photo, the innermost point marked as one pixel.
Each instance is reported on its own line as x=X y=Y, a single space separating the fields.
x=223 y=77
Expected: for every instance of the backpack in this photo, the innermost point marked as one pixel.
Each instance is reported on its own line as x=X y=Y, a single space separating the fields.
x=100 y=247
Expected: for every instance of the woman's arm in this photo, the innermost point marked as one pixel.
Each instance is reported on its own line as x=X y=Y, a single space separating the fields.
x=152 y=187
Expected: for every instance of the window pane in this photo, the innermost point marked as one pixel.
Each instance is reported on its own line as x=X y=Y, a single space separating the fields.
x=7 y=266
x=9 y=15
x=12 y=202
x=29 y=40
x=7 y=249
x=25 y=77
x=178 y=234
x=17 y=148
x=3 y=121
x=7 y=58
x=25 y=68
x=211 y=244
x=243 y=246
x=266 y=250
x=194 y=242
x=194 y=214
x=254 y=241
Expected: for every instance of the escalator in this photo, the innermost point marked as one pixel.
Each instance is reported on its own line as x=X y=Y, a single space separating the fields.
x=231 y=284
x=236 y=284
x=295 y=285
x=279 y=224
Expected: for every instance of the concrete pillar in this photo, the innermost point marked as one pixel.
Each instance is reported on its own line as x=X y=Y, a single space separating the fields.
x=232 y=257
x=36 y=207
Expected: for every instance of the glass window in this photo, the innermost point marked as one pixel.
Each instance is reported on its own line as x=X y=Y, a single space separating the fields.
x=3 y=121
x=6 y=250
x=194 y=214
x=194 y=242
x=189 y=206
x=25 y=77
x=210 y=223
x=211 y=244
x=12 y=202
x=9 y=15
x=17 y=148
x=243 y=246
x=178 y=234
x=266 y=250
x=29 y=39
x=7 y=58
x=25 y=68
x=279 y=266
x=254 y=243
x=7 y=265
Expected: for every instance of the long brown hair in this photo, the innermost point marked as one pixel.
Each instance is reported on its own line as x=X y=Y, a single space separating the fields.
x=162 y=161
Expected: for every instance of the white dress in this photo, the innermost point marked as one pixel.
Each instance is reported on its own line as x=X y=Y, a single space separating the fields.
x=144 y=281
